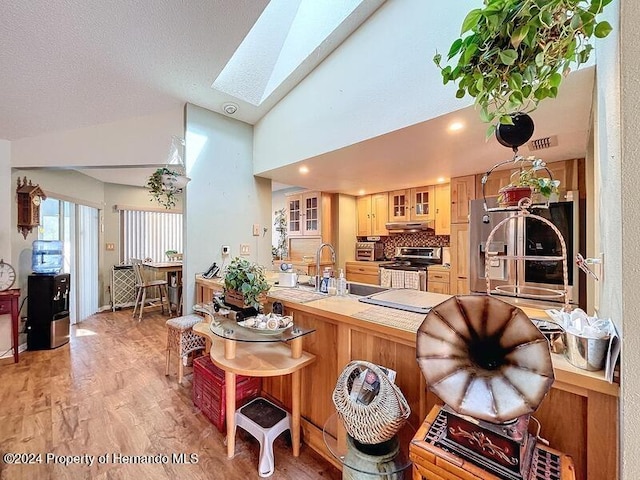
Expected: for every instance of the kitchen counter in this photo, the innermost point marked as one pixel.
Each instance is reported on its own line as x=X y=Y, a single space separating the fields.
x=578 y=415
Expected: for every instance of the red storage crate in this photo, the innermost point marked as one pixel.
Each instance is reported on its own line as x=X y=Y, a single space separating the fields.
x=208 y=390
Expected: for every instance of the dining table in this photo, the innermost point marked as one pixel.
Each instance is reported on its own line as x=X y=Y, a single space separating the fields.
x=172 y=270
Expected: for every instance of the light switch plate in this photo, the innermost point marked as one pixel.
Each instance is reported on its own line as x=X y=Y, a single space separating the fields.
x=256 y=230
x=245 y=249
x=110 y=247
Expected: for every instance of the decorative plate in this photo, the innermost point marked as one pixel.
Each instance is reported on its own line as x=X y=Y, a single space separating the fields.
x=268 y=324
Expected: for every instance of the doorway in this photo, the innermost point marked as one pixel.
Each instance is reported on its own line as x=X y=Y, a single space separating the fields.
x=77 y=226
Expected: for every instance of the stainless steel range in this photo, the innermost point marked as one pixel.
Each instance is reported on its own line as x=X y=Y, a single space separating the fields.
x=409 y=268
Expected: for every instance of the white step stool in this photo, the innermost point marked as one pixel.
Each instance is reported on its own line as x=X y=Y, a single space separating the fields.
x=265 y=421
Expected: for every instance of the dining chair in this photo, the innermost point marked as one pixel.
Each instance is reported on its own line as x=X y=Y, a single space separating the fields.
x=142 y=285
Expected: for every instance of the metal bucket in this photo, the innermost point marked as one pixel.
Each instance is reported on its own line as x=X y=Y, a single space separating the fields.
x=586 y=353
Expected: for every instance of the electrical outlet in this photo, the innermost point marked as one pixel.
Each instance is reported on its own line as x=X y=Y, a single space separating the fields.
x=245 y=249
x=226 y=249
x=256 y=230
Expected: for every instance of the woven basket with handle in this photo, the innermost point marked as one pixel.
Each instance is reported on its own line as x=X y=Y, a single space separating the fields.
x=378 y=421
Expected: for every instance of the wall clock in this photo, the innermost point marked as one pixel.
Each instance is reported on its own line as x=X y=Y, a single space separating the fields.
x=29 y=197
x=7 y=276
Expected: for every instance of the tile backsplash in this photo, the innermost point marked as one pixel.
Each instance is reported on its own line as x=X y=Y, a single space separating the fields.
x=410 y=240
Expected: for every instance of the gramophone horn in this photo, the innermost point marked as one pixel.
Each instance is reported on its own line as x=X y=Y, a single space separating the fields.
x=484 y=358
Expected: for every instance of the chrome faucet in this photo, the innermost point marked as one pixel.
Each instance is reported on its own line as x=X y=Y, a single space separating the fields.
x=333 y=259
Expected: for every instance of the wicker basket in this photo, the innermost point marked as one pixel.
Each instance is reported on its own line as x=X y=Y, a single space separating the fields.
x=378 y=421
x=236 y=298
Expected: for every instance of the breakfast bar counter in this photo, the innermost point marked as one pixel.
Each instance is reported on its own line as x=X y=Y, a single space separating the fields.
x=578 y=416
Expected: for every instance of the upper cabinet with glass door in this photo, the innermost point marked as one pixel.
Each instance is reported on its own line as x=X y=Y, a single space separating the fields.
x=304 y=214
x=422 y=203
x=399 y=206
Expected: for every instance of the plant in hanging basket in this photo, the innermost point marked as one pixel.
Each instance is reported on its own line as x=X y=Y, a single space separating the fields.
x=532 y=178
x=245 y=284
x=516 y=52
x=165 y=184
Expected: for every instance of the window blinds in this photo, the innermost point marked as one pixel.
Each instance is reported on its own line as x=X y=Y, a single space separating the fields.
x=149 y=234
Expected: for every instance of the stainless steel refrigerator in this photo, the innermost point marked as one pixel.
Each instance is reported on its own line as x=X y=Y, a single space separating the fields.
x=529 y=237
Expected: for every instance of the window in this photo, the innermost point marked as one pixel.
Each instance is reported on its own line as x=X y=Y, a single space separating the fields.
x=55 y=224
x=149 y=234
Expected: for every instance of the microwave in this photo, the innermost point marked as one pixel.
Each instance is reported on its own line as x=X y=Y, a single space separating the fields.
x=369 y=251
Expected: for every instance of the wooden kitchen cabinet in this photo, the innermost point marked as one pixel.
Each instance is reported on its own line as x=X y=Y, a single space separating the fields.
x=443 y=209
x=363 y=272
x=399 y=207
x=463 y=190
x=459 y=280
x=565 y=170
x=304 y=214
x=438 y=280
x=373 y=214
x=495 y=181
x=422 y=203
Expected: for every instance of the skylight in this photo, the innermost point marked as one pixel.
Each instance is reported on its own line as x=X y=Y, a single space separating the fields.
x=289 y=40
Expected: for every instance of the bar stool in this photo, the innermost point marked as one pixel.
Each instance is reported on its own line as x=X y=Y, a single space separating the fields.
x=265 y=421
x=182 y=340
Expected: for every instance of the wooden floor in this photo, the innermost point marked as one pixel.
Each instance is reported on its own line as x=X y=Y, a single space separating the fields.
x=106 y=393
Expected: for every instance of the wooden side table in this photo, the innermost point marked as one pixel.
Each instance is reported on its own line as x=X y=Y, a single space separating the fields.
x=433 y=463
x=9 y=305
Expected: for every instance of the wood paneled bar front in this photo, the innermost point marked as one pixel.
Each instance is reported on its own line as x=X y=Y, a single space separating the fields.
x=578 y=416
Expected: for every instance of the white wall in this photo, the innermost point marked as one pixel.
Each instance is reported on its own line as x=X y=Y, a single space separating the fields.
x=7 y=202
x=223 y=199
x=133 y=141
x=625 y=177
x=379 y=80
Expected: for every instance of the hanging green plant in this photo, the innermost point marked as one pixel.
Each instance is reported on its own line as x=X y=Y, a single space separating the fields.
x=516 y=52
x=165 y=184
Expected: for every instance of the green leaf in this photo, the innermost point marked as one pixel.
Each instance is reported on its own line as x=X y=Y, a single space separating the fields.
x=491 y=130
x=576 y=22
x=526 y=91
x=468 y=53
x=437 y=58
x=485 y=116
x=460 y=93
x=471 y=20
x=506 y=120
x=519 y=35
x=555 y=79
x=508 y=57
x=603 y=29
x=455 y=48
x=540 y=59
x=546 y=18
x=515 y=81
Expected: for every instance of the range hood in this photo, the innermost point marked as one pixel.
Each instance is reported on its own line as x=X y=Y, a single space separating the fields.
x=411 y=227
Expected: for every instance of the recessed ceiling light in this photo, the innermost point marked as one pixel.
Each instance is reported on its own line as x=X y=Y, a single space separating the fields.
x=441 y=180
x=303 y=169
x=455 y=126
x=361 y=192
x=230 y=108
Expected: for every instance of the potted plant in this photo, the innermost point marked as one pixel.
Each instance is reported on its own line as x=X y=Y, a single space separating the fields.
x=165 y=184
x=530 y=180
x=280 y=252
x=516 y=52
x=245 y=284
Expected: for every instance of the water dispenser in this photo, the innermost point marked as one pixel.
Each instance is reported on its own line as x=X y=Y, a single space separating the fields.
x=47 y=256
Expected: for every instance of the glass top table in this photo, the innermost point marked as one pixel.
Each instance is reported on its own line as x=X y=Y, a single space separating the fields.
x=228 y=329
x=376 y=461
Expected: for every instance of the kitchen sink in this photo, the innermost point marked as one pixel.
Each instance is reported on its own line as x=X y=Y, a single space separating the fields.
x=363 y=289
